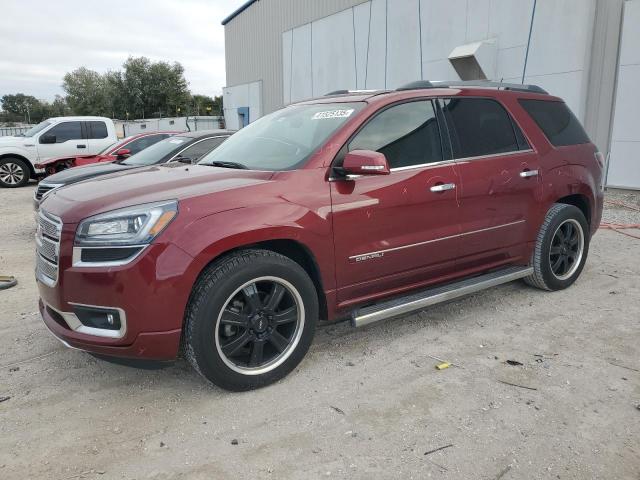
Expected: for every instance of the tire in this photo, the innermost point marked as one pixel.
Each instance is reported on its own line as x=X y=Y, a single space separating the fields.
x=550 y=270
x=250 y=319
x=14 y=172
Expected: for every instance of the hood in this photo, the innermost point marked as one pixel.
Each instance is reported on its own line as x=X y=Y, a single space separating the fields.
x=14 y=140
x=172 y=181
x=77 y=174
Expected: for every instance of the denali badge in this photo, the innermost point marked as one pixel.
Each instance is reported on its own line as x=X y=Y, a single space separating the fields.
x=369 y=256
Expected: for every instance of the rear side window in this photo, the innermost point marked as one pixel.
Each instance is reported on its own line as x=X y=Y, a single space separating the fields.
x=407 y=134
x=97 y=130
x=141 y=143
x=479 y=127
x=199 y=149
x=558 y=123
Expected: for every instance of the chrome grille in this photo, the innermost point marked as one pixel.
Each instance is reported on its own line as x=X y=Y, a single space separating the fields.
x=42 y=189
x=47 y=248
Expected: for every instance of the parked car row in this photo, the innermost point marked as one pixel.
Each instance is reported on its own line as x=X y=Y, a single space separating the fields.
x=159 y=148
x=361 y=205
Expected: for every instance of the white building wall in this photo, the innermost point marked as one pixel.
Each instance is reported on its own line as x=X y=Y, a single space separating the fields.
x=624 y=162
x=247 y=95
x=393 y=42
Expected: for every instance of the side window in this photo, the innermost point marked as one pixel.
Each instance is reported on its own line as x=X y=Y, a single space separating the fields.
x=479 y=126
x=557 y=122
x=140 y=144
x=407 y=134
x=198 y=150
x=97 y=130
x=67 y=131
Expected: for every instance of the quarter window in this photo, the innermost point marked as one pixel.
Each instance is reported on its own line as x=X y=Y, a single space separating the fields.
x=480 y=126
x=407 y=134
x=66 y=131
x=557 y=122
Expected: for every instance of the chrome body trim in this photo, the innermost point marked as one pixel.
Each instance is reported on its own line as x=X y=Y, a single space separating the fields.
x=74 y=323
x=76 y=257
x=438 y=295
x=380 y=253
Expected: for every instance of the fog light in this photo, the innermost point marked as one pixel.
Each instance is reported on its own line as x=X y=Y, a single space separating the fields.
x=95 y=317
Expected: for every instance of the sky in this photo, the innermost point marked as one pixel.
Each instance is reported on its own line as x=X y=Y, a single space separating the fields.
x=41 y=40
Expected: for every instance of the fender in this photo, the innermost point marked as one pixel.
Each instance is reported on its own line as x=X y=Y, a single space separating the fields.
x=209 y=237
x=20 y=153
x=54 y=161
x=574 y=179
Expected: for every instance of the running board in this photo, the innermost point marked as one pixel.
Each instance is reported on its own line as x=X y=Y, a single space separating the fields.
x=417 y=301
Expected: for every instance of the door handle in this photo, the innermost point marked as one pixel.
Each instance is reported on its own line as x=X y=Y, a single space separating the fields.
x=81 y=146
x=529 y=173
x=443 y=187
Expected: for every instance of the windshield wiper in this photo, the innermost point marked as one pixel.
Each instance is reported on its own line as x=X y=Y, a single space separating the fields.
x=228 y=165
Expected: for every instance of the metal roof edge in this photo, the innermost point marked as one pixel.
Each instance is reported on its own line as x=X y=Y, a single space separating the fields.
x=238 y=11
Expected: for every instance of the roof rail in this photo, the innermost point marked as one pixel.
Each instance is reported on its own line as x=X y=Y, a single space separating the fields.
x=473 y=83
x=350 y=92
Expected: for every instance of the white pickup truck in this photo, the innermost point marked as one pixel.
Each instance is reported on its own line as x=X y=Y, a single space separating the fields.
x=55 y=137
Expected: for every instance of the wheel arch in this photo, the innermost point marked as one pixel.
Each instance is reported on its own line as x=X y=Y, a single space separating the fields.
x=580 y=201
x=292 y=249
x=32 y=171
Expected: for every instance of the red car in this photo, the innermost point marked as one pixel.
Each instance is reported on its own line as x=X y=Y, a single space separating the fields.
x=118 y=151
x=357 y=205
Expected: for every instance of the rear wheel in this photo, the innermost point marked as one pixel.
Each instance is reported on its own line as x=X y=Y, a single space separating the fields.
x=250 y=320
x=561 y=248
x=14 y=172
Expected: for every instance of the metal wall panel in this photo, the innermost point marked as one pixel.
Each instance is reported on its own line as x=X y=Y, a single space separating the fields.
x=253 y=42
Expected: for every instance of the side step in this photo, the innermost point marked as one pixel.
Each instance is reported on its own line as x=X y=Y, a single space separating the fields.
x=417 y=301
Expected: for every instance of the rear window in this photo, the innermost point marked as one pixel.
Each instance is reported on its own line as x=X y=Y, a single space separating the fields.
x=557 y=122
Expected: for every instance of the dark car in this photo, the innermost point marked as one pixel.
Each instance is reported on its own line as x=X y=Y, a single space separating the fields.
x=367 y=205
x=186 y=147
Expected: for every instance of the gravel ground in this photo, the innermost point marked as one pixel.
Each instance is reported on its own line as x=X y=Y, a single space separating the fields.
x=364 y=403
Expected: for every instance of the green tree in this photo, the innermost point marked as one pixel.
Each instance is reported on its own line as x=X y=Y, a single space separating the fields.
x=86 y=92
x=21 y=107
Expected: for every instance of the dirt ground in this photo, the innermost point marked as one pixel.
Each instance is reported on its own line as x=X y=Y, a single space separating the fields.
x=364 y=403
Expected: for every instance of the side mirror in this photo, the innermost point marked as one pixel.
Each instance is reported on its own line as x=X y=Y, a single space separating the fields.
x=123 y=153
x=365 y=162
x=48 y=138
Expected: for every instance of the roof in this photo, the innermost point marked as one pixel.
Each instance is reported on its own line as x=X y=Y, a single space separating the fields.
x=206 y=133
x=238 y=11
x=78 y=118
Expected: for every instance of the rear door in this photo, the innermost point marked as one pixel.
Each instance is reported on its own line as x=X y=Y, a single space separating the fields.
x=70 y=141
x=396 y=231
x=500 y=182
x=97 y=137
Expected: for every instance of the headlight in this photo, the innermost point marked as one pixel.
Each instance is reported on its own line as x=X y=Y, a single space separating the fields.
x=137 y=225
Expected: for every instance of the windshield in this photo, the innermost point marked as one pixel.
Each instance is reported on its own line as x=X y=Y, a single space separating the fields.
x=157 y=152
x=33 y=130
x=284 y=139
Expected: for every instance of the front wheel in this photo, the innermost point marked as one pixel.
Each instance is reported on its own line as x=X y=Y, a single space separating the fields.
x=14 y=173
x=561 y=248
x=250 y=319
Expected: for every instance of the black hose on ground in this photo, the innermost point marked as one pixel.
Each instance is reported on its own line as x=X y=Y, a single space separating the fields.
x=7 y=282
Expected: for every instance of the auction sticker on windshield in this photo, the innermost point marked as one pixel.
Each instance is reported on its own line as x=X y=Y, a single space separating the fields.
x=333 y=114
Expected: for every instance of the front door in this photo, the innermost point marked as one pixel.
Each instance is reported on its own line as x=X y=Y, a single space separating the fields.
x=70 y=141
x=397 y=231
x=500 y=183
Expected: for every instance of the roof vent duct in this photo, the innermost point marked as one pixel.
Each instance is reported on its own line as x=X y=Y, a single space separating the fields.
x=475 y=61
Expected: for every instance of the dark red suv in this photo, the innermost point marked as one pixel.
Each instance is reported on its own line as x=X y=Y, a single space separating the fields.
x=366 y=205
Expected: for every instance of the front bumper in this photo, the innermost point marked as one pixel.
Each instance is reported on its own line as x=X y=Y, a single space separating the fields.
x=148 y=345
x=151 y=292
